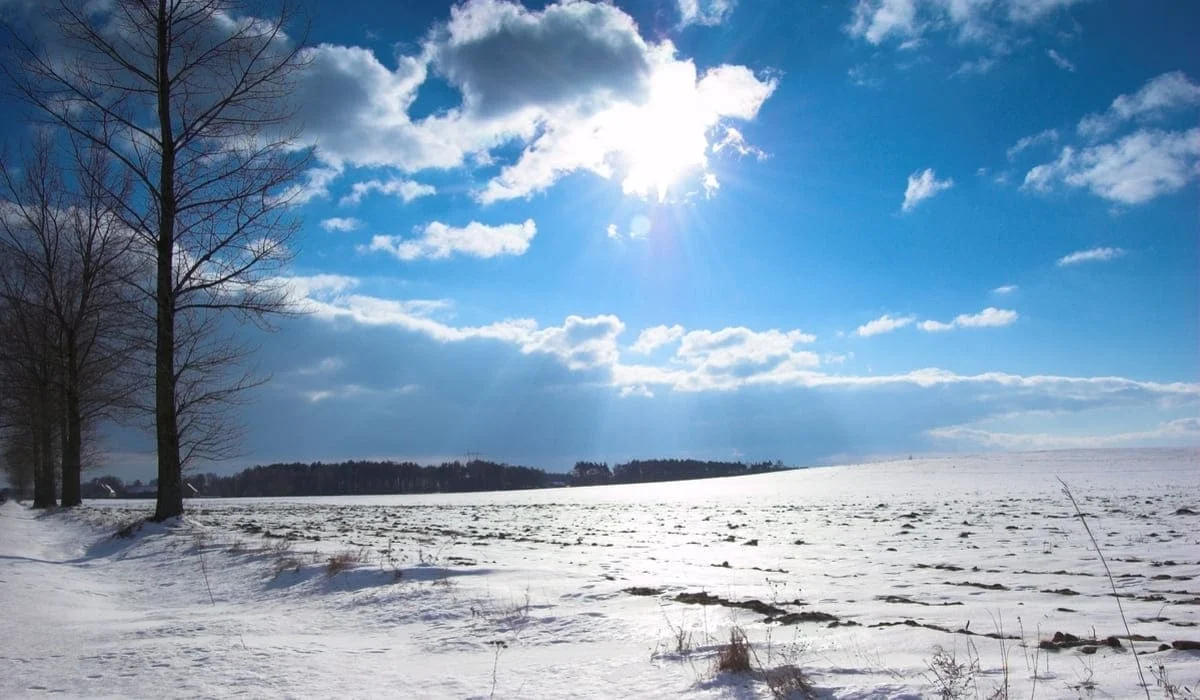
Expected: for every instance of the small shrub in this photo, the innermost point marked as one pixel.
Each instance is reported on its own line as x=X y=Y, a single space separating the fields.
x=951 y=678
x=342 y=561
x=788 y=681
x=734 y=657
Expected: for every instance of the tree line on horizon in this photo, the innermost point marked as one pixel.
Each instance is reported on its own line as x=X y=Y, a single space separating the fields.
x=365 y=477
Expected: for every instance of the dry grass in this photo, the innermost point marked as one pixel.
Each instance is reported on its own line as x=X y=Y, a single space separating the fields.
x=343 y=561
x=952 y=678
x=734 y=657
x=787 y=681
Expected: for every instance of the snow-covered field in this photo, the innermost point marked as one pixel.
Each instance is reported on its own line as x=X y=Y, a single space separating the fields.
x=855 y=574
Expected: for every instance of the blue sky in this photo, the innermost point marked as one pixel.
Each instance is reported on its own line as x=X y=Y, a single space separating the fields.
x=760 y=230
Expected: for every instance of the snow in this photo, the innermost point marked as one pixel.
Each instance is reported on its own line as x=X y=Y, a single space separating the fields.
x=522 y=594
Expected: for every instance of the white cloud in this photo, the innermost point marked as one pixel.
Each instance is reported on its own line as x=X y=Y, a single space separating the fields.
x=922 y=185
x=706 y=12
x=1091 y=255
x=883 y=324
x=342 y=224
x=1046 y=137
x=636 y=390
x=876 y=20
x=654 y=142
x=581 y=343
x=724 y=360
x=979 y=66
x=1179 y=431
x=990 y=317
x=1158 y=98
x=736 y=142
x=314 y=184
x=639 y=229
x=1006 y=289
x=1059 y=61
x=614 y=104
x=1136 y=169
x=439 y=241
x=407 y=190
x=980 y=21
x=655 y=337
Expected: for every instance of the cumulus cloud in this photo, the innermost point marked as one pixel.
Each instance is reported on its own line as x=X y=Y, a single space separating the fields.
x=504 y=57
x=581 y=343
x=727 y=360
x=922 y=185
x=1158 y=98
x=655 y=337
x=1136 y=169
x=574 y=85
x=1091 y=255
x=990 y=317
x=342 y=224
x=883 y=324
x=647 y=145
x=706 y=12
x=438 y=241
x=407 y=190
x=1059 y=61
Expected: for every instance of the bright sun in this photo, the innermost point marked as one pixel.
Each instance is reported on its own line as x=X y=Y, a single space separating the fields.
x=666 y=138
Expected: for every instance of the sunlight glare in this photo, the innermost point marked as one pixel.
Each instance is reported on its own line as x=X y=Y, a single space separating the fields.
x=666 y=138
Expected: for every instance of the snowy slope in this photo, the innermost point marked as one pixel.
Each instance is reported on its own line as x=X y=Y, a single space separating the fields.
x=857 y=574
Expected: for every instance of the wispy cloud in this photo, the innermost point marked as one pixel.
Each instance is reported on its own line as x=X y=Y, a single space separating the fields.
x=1091 y=255
x=1006 y=289
x=1048 y=136
x=1159 y=97
x=1179 y=431
x=705 y=12
x=1059 y=61
x=922 y=185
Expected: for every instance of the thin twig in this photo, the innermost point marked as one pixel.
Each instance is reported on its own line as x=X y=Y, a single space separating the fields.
x=1108 y=573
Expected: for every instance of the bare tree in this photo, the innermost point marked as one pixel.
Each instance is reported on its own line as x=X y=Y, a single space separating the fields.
x=192 y=98
x=29 y=374
x=61 y=229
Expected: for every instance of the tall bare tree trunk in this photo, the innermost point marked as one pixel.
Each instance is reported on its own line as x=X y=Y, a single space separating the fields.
x=72 y=438
x=170 y=488
x=44 y=483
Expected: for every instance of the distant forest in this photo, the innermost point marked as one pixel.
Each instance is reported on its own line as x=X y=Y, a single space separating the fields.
x=361 y=478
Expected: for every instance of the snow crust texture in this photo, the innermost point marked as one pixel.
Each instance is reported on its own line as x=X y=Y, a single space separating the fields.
x=865 y=577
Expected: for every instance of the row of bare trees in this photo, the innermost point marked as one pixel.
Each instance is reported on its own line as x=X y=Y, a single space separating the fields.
x=150 y=219
x=68 y=337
